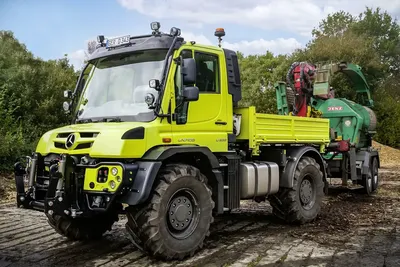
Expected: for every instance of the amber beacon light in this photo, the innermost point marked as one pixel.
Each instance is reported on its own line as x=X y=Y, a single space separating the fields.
x=219 y=32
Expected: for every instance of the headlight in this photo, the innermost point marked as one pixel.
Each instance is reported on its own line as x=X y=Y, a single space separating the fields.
x=114 y=171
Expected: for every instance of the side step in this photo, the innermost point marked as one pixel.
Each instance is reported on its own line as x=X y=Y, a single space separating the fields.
x=230 y=173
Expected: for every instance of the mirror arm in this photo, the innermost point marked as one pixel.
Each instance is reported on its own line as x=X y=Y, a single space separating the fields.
x=161 y=115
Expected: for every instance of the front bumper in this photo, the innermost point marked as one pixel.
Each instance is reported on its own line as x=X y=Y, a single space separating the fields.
x=62 y=185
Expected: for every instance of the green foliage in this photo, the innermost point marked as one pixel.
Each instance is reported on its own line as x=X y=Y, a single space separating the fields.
x=258 y=74
x=30 y=97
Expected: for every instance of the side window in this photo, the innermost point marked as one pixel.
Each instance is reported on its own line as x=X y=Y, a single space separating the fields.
x=207 y=73
x=181 y=107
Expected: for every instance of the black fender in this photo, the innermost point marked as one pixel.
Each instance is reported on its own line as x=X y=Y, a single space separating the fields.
x=142 y=183
x=293 y=157
x=151 y=163
x=164 y=152
x=365 y=157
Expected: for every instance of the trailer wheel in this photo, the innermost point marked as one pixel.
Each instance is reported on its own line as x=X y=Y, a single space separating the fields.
x=370 y=180
x=83 y=229
x=375 y=174
x=302 y=203
x=175 y=221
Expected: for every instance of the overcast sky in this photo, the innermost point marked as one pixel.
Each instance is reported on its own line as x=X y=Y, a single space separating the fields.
x=52 y=28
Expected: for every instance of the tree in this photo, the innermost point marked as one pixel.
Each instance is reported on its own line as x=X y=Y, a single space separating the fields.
x=31 y=96
x=334 y=25
x=258 y=73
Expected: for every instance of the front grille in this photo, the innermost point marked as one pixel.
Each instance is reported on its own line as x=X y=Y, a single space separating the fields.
x=86 y=136
x=83 y=134
x=80 y=146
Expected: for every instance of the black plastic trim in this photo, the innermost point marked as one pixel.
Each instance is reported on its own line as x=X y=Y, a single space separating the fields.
x=142 y=183
x=164 y=152
x=137 y=43
x=233 y=73
x=293 y=157
x=135 y=133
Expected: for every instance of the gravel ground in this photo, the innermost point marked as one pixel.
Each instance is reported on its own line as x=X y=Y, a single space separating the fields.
x=353 y=230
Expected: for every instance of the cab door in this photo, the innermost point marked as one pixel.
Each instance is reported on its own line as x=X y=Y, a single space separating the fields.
x=203 y=122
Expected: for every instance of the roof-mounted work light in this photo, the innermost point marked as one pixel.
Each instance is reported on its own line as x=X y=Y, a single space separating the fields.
x=155 y=26
x=100 y=39
x=175 y=31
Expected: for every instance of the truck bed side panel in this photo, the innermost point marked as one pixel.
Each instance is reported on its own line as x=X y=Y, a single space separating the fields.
x=280 y=129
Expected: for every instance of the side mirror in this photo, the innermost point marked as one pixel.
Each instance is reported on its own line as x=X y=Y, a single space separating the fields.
x=188 y=71
x=190 y=93
x=68 y=94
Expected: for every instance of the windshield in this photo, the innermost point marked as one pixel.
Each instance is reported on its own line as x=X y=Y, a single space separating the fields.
x=116 y=86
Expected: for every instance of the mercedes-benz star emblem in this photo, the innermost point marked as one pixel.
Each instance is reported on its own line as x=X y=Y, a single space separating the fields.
x=70 y=141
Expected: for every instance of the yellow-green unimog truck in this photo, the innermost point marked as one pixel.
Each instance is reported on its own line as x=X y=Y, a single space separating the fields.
x=157 y=134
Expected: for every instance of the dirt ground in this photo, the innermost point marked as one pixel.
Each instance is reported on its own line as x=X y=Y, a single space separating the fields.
x=352 y=230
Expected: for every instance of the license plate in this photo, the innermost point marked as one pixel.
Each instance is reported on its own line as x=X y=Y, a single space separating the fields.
x=118 y=41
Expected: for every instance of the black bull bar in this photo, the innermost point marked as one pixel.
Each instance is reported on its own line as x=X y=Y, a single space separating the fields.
x=63 y=195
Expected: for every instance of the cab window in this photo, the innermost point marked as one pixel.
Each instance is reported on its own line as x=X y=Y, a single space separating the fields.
x=207 y=72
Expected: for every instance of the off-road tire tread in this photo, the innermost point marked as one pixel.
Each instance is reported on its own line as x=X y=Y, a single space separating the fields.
x=143 y=219
x=83 y=229
x=284 y=202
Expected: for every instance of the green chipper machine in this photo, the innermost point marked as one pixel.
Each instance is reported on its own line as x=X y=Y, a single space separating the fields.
x=308 y=92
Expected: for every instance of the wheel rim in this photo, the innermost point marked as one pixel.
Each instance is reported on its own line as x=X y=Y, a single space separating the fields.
x=307 y=192
x=183 y=213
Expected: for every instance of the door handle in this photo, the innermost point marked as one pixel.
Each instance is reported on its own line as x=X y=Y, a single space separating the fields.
x=221 y=123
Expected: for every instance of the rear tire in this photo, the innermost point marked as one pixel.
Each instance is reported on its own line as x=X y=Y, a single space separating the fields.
x=175 y=221
x=83 y=229
x=302 y=203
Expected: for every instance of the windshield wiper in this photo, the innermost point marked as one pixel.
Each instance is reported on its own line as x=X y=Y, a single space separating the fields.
x=84 y=121
x=110 y=119
x=107 y=119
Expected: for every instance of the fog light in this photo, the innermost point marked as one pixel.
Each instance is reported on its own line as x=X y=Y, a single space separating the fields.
x=112 y=184
x=114 y=171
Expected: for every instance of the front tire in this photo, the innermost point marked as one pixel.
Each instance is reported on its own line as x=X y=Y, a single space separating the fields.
x=301 y=203
x=175 y=221
x=83 y=229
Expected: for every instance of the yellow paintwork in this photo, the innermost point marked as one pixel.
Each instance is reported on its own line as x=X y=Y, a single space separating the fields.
x=108 y=142
x=201 y=128
x=91 y=177
x=280 y=129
